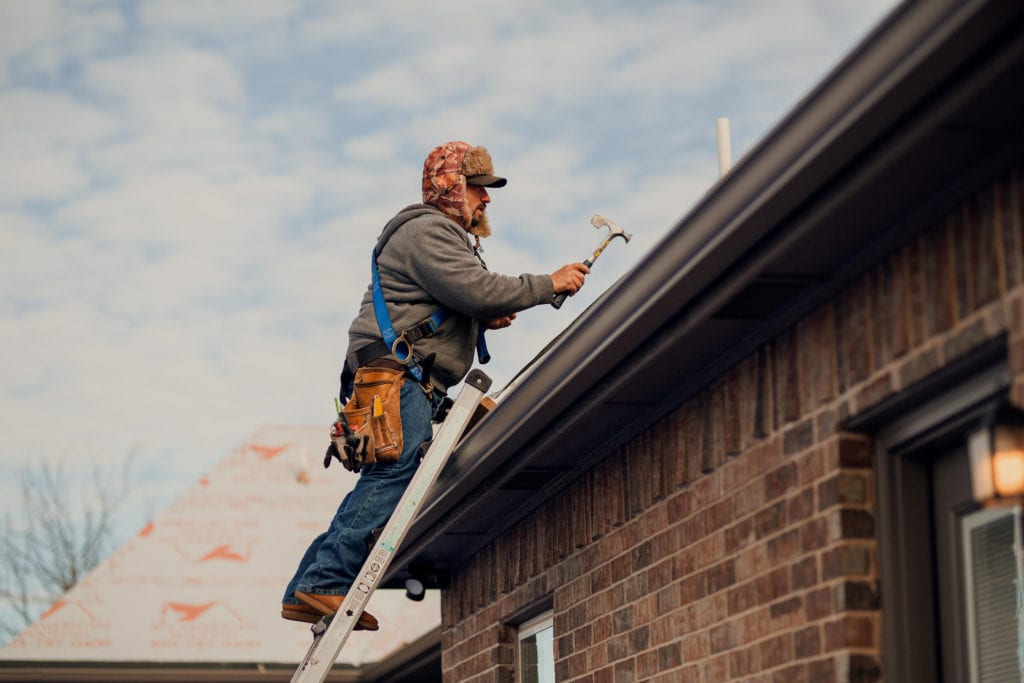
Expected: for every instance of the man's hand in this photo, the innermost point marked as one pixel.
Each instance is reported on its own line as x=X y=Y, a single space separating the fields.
x=569 y=278
x=498 y=323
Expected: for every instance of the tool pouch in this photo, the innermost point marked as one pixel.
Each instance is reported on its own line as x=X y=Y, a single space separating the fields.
x=375 y=411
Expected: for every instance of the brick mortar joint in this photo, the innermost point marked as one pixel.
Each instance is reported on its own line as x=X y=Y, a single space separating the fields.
x=487 y=648
x=838 y=581
x=993 y=326
x=525 y=588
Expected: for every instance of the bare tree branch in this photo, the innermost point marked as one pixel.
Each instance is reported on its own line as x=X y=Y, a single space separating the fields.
x=62 y=530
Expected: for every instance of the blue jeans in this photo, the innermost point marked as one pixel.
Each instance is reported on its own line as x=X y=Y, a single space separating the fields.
x=334 y=558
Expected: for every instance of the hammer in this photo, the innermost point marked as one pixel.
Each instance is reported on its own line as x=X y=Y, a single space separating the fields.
x=598 y=221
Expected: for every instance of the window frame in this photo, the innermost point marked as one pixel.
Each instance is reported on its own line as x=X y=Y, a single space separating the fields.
x=912 y=432
x=532 y=627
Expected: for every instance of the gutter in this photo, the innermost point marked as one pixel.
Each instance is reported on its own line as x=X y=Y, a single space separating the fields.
x=815 y=158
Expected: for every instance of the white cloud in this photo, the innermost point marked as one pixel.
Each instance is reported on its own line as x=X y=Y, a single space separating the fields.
x=293 y=129
x=42 y=139
x=40 y=38
x=178 y=108
x=214 y=19
x=26 y=25
x=44 y=176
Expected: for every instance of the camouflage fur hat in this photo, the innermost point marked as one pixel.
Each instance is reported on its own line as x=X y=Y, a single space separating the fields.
x=446 y=172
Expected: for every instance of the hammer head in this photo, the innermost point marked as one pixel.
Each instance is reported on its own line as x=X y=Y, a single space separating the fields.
x=599 y=221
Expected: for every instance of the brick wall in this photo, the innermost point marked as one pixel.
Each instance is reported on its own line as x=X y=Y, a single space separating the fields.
x=735 y=539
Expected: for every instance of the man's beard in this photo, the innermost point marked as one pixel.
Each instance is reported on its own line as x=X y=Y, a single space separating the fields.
x=481 y=227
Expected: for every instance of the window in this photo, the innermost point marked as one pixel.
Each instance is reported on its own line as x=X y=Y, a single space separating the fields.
x=949 y=589
x=535 y=655
x=992 y=569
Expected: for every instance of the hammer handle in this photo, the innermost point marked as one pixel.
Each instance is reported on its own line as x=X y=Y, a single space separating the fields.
x=562 y=296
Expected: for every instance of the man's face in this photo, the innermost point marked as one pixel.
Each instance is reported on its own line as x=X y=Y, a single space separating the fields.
x=478 y=199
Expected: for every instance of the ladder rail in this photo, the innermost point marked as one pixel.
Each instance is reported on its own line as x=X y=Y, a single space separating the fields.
x=330 y=633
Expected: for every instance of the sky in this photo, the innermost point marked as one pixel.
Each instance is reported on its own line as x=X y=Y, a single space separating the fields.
x=191 y=188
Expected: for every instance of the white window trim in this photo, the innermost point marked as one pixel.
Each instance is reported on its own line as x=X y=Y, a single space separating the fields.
x=530 y=628
x=536 y=625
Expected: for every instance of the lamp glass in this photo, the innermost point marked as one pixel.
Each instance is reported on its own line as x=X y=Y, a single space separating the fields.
x=1008 y=472
x=979 y=447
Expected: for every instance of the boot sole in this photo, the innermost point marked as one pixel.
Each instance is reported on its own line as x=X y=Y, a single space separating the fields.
x=367 y=622
x=298 y=615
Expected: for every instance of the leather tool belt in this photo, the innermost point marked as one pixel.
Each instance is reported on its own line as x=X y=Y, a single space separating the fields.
x=375 y=412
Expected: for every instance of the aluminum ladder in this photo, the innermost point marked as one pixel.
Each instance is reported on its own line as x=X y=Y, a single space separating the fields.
x=330 y=633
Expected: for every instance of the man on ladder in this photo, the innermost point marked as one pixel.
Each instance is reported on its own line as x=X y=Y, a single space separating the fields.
x=429 y=284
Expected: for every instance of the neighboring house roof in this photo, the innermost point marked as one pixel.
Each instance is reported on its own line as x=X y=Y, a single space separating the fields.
x=927 y=107
x=199 y=589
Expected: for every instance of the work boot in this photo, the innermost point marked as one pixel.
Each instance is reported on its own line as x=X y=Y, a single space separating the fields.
x=329 y=604
x=300 y=612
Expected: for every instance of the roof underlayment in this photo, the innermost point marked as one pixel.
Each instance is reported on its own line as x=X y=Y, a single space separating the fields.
x=203 y=582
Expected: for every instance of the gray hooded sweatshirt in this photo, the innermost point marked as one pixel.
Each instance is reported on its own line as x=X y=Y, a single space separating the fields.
x=428 y=262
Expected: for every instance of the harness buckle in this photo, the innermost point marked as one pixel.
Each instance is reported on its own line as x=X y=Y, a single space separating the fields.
x=401 y=350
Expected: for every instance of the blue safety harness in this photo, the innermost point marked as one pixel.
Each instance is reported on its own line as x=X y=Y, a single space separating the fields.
x=401 y=345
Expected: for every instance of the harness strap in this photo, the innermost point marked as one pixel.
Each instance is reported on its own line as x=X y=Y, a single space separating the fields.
x=387 y=331
x=482 y=354
x=401 y=345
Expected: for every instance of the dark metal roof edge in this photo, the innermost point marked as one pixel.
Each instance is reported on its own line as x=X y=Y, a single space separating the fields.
x=878 y=82
x=391 y=668
x=94 y=671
